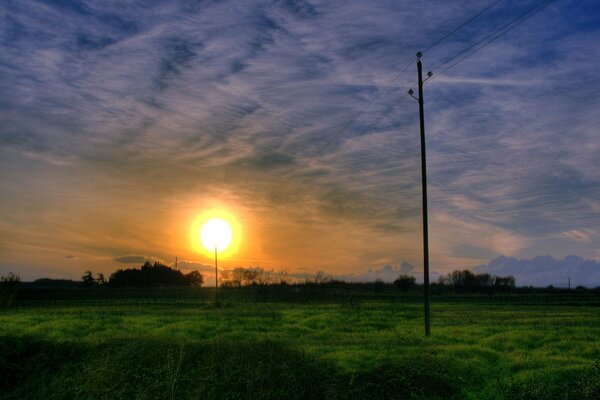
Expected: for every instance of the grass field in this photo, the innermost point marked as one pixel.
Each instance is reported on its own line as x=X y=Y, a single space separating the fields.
x=368 y=350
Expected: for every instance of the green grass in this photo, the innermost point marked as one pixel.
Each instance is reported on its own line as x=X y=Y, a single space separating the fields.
x=369 y=350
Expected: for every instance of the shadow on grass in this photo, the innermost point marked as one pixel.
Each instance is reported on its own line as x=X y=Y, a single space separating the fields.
x=219 y=369
x=31 y=368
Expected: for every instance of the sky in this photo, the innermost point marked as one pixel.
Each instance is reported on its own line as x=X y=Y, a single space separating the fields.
x=124 y=123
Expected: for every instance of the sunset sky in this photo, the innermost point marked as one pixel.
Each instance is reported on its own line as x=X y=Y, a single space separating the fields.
x=121 y=123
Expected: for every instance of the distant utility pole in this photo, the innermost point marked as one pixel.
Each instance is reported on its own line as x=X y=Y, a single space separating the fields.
x=216 y=279
x=426 y=293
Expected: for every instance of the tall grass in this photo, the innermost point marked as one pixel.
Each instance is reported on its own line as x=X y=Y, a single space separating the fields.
x=348 y=350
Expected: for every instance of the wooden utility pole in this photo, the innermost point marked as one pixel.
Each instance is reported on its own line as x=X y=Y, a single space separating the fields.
x=426 y=293
x=216 y=279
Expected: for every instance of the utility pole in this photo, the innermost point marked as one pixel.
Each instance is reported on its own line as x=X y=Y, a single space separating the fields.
x=426 y=294
x=216 y=279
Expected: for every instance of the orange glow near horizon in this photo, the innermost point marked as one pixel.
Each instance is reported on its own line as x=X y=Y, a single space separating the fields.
x=218 y=228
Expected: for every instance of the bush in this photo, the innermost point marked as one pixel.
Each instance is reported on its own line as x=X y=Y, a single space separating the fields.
x=9 y=285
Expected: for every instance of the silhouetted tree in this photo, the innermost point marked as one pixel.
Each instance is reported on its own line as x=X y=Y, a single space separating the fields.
x=321 y=278
x=10 y=278
x=404 y=282
x=100 y=280
x=255 y=276
x=250 y=275
x=227 y=280
x=88 y=279
x=153 y=275
x=468 y=281
x=194 y=278
x=283 y=277
x=505 y=282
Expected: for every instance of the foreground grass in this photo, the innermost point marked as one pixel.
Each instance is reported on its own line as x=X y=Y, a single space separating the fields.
x=332 y=351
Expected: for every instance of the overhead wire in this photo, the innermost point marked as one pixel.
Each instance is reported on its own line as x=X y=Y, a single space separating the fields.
x=356 y=116
x=462 y=26
x=489 y=38
x=332 y=161
x=389 y=85
x=347 y=125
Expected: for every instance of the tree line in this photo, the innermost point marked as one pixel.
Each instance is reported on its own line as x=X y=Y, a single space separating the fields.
x=148 y=275
x=463 y=281
x=458 y=280
x=469 y=281
x=160 y=275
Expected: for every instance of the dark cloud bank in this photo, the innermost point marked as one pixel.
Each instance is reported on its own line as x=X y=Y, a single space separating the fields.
x=132 y=259
x=539 y=271
x=546 y=270
x=388 y=274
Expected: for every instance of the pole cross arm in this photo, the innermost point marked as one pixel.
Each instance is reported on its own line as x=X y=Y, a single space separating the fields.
x=411 y=93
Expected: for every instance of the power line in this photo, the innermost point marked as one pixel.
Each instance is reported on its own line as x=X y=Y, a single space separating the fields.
x=314 y=175
x=346 y=126
x=462 y=25
x=388 y=86
x=493 y=36
x=338 y=155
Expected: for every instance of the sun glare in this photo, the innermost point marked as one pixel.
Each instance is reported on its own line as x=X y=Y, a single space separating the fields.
x=218 y=228
x=216 y=233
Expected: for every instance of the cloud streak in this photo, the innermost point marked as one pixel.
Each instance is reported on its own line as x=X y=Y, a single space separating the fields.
x=121 y=122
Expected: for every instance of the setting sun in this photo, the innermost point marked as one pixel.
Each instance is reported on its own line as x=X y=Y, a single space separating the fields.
x=215 y=228
x=216 y=233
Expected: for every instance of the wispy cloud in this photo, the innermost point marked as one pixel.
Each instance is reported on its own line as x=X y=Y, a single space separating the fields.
x=122 y=121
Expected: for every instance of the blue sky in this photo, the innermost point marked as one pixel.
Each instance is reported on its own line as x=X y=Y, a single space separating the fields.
x=121 y=121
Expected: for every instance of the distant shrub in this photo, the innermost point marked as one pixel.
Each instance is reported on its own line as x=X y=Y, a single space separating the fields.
x=9 y=285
